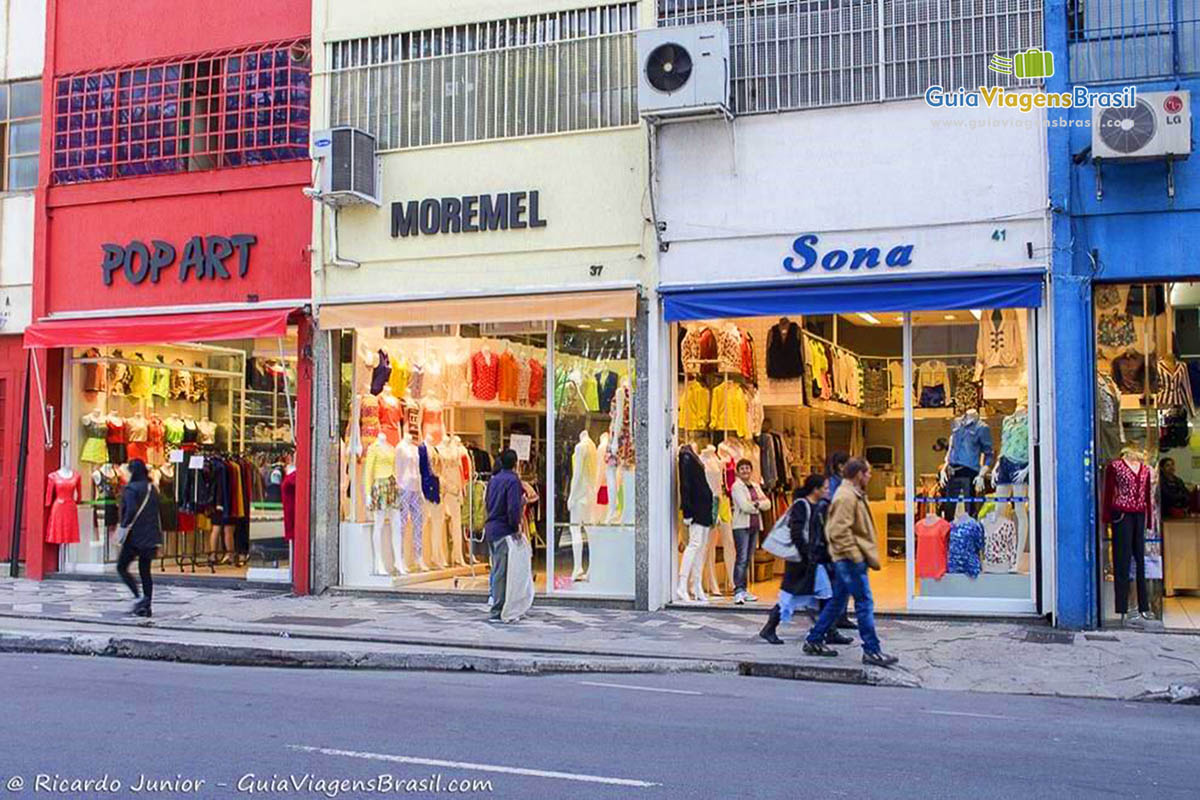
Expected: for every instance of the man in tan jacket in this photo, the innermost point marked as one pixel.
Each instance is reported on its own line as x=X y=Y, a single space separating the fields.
x=851 y=535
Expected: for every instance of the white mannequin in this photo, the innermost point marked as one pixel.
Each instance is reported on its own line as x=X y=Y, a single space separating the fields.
x=691 y=563
x=721 y=533
x=412 y=502
x=582 y=497
x=435 y=513
x=1018 y=509
x=380 y=462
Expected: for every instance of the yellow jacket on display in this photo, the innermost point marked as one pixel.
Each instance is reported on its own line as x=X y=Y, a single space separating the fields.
x=729 y=409
x=694 y=407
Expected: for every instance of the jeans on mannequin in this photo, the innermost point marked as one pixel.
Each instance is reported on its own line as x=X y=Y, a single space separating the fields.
x=960 y=483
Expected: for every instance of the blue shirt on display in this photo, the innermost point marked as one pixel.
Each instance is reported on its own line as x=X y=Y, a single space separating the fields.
x=968 y=440
x=966 y=543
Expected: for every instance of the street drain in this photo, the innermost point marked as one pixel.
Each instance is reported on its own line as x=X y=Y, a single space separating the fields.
x=324 y=622
x=1049 y=637
x=1101 y=637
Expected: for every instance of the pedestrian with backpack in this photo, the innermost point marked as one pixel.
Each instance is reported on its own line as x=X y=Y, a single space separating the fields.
x=805 y=581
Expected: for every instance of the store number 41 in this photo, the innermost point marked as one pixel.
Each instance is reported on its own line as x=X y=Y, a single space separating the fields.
x=999 y=235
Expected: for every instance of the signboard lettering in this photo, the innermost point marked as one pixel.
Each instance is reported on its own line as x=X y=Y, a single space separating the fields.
x=862 y=258
x=203 y=257
x=470 y=213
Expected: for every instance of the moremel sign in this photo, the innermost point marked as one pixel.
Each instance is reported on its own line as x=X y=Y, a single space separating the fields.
x=864 y=258
x=203 y=257
x=470 y=213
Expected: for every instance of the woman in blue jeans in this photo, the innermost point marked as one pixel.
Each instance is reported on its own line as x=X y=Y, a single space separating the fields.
x=748 y=501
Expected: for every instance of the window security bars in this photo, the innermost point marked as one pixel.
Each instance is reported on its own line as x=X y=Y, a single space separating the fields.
x=222 y=109
x=1123 y=40
x=793 y=54
x=547 y=73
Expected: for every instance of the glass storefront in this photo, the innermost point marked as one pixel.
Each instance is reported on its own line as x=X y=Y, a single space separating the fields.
x=1147 y=339
x=938 y=402
x=215 y=422
x=426 y=409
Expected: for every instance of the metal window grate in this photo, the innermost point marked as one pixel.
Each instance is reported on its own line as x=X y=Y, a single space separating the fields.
x=546 y=73
x=1123 y=40
x=212 y=110
x=791 y=54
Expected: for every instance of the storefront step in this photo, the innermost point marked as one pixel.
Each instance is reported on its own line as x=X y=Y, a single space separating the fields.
x=481 y=597
x=193 y=581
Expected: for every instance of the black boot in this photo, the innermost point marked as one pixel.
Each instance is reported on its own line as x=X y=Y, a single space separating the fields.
x=768 y=631
x=142 y=608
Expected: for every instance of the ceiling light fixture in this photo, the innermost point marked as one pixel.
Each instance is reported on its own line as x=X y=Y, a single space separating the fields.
x=976 y=313
x=949 y=317
x=864 y=315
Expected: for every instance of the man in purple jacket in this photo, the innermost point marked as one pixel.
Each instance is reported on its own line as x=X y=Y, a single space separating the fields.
x=505 y=500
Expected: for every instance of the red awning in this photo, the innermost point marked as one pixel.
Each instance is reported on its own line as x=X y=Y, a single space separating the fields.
x=159 y=328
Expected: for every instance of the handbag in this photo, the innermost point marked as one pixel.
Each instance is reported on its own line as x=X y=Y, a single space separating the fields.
x=779 y=541
x=123 y=530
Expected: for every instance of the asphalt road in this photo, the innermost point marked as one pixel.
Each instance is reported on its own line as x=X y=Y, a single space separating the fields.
x=604 y=736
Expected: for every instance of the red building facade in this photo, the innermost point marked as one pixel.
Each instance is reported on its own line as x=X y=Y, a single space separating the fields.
x=172 y=275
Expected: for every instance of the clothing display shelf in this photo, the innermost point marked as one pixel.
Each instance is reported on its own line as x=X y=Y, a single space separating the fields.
x=254 y=420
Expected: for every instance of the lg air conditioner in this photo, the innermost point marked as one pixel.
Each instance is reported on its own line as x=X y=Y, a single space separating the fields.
x=347 y=167
x=683 y=72
x=1159 y=125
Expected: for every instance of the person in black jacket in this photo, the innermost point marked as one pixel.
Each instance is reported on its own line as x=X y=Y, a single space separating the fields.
x=144 y=535
x=804 y=581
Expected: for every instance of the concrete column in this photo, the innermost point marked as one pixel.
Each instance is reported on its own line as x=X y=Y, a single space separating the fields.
x=326 y=514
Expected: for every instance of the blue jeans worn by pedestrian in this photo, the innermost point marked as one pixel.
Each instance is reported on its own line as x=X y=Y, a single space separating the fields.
x=742 y=538
x=851 y=581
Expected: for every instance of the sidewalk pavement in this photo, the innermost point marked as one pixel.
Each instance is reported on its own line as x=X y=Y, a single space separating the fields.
x=268 y=628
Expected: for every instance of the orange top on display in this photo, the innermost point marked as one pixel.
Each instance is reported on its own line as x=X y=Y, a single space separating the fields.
x=159 y=328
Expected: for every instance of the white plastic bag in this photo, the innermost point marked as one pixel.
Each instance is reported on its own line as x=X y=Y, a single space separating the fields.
x=518 y=592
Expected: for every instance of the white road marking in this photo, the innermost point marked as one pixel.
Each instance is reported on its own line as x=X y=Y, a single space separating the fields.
x=637 y=688
x=435 y=762
x=967 y=714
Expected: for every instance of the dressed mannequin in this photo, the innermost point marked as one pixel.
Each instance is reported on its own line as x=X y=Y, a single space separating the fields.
x=206 y=431
x=435 y=513
x=115 y=438
x=721 y=532
x=379 y=474
x=581 y=497
x=1125 y=506
x=1012 y=476
x=600 y=509
x=453 y=477
x=696 y=501
x=136 y=430
x=622 y=447
x=391 y=415
x=409 y=500
x=962 y=472
x=95 y=431
x=432 y=419
x=62 y=495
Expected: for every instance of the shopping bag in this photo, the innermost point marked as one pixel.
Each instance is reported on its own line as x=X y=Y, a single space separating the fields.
x=518 y=593
x=779 y=540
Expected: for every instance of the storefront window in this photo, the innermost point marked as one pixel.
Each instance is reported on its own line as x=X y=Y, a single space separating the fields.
x=932 y=414
x=1148 y=460
x=595 y=458
x=216 y=425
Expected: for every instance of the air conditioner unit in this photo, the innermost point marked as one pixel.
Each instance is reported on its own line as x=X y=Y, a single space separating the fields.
x=348 y=170
x=1158 y=126
x=684 y=71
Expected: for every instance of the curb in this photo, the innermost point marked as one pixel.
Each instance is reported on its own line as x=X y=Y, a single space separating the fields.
x=251 y=656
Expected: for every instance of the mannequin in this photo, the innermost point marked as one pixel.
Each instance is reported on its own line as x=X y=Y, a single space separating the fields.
x=106 y=488
x=380 y=476
x=115 y=438
x=95 y=431
x=696 y=500
x=62 y=495
x=391 y=415
x=581 y=497
x=623 y=451
x=409 y=500
x=435 y=513
x=1012 y=475
x=1125 y=506
x=962 y=473
x=432 y=424
x=721 y=532
x=453 y=478
x=136 y=429
x=206 y=431
x=600 y=509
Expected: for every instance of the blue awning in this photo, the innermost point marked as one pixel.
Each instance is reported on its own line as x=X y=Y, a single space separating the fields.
x=1017 y=290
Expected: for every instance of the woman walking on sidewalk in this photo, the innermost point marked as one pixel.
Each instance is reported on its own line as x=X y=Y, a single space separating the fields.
x=139 y=518
x=805 y=583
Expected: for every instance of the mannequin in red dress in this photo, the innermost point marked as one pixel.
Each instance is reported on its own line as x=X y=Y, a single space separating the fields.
x=62 y=494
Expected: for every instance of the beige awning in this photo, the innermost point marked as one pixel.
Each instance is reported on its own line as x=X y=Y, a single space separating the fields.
x=618 y=303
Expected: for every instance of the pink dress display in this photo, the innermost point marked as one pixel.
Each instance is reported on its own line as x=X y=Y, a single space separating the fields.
x=62 y=494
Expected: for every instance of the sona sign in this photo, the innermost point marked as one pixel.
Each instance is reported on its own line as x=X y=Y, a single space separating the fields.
x=808 y=256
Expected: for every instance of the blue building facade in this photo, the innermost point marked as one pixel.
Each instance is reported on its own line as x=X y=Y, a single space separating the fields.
x=1116 y=224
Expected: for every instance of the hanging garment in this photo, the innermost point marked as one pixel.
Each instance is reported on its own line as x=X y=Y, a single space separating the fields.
x=457 y=376
x=1173 y=428
x=381 y=372
x=288 y=498
x=621 y=429
x=933 y=547
x=729 y=349
x=590 y=390
x=1129 y=371
x=875 y=391
x=1146 y=300
x=160 y=383
x=895 y=371
x=999 y=341
x=93 y=374
x=416 y=381
x=1174 y=388
x=966 y=545
x=747 y=366
x=537 y=382
x=729 y=409
x=485 y=375
x=155 y=439
x=1110 y=435
x=784 y=358
x=62 y=497
x=398 y=378
x=1115 y=329
x=606 y=381
x=524 y=376
x=933 y=380
x=967 y=392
